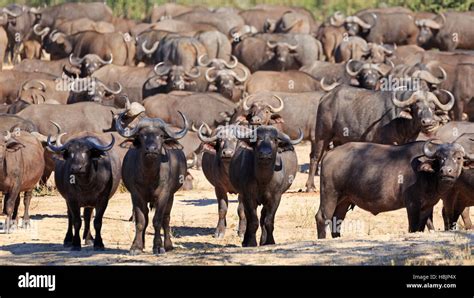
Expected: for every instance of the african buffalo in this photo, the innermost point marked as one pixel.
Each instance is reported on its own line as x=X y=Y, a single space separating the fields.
x=21 y=167
x=262 y=168
x=218 y=151
x=153 y=170
x=414 y=176
x=87 y=174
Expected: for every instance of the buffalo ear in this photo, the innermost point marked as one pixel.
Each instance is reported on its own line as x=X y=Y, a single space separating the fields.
x=96 y=154
x=405 y=114
x=210 y=147
x=172 y=144
x=426 y=166
x=276 y=118
x=14 y=145
x=468 y=164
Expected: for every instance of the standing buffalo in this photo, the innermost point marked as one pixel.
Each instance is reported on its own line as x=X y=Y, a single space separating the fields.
x=218 y=151
x=414 y=176
x=153 y=170
x=21 y=167
x=262 y=169
x=87 y=174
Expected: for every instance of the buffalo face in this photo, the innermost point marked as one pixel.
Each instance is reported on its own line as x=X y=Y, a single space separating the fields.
x=82 y=154
x=444 y=159
x=425 y=108
x=223 y=138
x=260 y=113
x=424 y=35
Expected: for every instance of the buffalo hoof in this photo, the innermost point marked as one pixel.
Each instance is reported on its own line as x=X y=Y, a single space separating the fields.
x=99 y=248
x=311 y=189
x=89 y=242
x=25 y=224
x=136 y=251
x=241 y=234
x=75 y=248
x=219 y=234
x=159 y=251
x=67 y=244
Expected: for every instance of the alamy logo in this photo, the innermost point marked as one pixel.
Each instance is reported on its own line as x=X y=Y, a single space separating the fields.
x=28 y=280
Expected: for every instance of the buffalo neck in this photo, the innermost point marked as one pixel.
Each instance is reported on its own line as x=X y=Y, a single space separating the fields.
x=151 y=166
x=264 y=171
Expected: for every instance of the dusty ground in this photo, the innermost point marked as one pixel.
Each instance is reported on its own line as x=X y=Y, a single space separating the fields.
x=367 y=239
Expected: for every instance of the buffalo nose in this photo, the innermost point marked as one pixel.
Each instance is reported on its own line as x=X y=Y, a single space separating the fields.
x=447 y=171
x=256 y=120
x=265 y=152
x=426 y=122
x=227 y=153
x=76 y=168
x=151 y=148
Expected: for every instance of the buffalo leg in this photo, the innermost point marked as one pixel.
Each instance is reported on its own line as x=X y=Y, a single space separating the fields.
x=69 y=235
x=11 y=205
x=413 y=212
x=87 y=236
x=317 y=149
x=338 y=217
x=99 y=215
x=269 y=219
x=166 y=225
x=242 y=220
x=141 y=222
x=222 y=202
x=466 y=219
x=263 y=215
x=15 y=211
x=325 y=213
x=77 y=222
x=26 y=215
x=160 y=205
x=252 y=222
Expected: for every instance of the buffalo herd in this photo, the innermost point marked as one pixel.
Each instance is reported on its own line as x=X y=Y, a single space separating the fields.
x=384 y=97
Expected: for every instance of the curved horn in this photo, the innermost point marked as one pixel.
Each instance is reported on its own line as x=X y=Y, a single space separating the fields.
x=178 y=135
x=29 y=84
x=244 y=78
x=106 y=61
x=42 y=32
x=96 y=145
x=358 y=21
x=445 y=75
x=428 y=150
x=330 y=87
x=233 y=64
x=195 y=75
x=208 y=77
x=244 y=103
x=349 y=70
x=445 y=107
x=125 y=132
x=54 y=36
x=54 y=148
x=280 y=108
x=271 y=44
x=115 y=92
x=75 y=61
x=11 y=13
x=203 y=138
x=150 y=50
x=292 y=47
x=402 y=104
x=282 y=136
x=161 y=73
x=201 y=61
